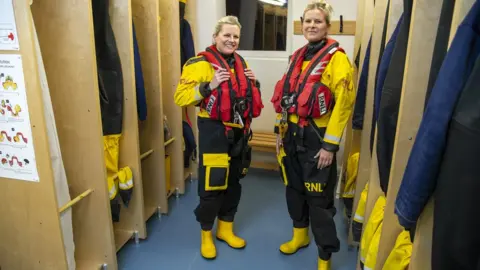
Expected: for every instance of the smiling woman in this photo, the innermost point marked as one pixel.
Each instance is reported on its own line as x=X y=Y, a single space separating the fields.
x=220 y=82
x=313 y=101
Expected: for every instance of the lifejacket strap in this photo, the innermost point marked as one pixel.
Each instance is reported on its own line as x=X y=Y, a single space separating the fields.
x=257 y=84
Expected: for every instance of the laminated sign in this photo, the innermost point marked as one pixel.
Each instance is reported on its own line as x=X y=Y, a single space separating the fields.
x=8 y=27
x=17 y=155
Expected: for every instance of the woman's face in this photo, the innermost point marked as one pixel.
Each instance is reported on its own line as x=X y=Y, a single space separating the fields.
x=228 y=38
x=314 y=25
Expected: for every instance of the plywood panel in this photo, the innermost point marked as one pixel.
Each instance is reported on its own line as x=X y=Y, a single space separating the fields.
x=191 y=16
x=374 y=190
x=146 y=19
x=422 y=246
x=25 y=227
x=364 y=138
x=70 y=63
x=170 y=51
x=423 y=26
x=131 y=217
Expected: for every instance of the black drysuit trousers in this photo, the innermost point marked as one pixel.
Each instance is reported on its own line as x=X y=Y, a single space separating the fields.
x=456 y=230
x=310 y=191
x=219 y=173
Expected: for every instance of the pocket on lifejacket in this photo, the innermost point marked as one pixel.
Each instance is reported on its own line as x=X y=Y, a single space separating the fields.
x=281 y=162
x=216 y=171
x=257 y=102
x=277 y=96
x=315 y=100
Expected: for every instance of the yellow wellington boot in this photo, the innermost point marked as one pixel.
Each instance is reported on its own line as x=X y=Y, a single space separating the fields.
x=299 y=240
x=225 y=233
x=324 y=265
x=207 y=248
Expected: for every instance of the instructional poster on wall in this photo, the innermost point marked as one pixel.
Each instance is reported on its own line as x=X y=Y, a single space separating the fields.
x=17 y=154
x=8 y=27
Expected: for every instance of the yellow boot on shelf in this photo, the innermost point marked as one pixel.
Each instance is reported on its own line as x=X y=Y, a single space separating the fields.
x=207 y=248
x=324 y=265
x=299 y=240
x=225 y=233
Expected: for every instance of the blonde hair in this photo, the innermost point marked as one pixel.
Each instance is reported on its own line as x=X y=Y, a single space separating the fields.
x=321 y=5
x=232 y=20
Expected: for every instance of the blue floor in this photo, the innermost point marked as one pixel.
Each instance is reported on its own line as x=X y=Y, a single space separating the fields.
x=173 y=242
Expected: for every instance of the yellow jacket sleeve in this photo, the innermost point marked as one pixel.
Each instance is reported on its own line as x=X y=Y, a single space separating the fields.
x=338 y=76
x=196 y=75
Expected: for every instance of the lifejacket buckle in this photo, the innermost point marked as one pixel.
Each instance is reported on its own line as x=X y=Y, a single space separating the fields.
x=240 y=105
x=237 y=119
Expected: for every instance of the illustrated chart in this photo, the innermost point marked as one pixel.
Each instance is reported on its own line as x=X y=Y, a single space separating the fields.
x=17 y=154
x=8 y=28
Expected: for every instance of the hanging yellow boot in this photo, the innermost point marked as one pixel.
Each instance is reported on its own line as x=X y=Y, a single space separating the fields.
x=324 y=265
x=299 y=240
x=225 y=233
x=207 y=248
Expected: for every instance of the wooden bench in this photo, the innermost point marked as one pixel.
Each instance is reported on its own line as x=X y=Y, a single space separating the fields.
x=264 y=142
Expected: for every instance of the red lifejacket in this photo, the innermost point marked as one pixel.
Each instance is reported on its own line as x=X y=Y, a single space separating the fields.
x=301 y=92
x=226 y=96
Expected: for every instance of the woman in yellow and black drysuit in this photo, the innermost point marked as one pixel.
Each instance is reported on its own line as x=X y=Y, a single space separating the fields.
x=313 y=101
x=220 y=83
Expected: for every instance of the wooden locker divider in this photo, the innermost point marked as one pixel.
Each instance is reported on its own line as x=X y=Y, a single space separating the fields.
x=70 y=63
x=352 y=137
x=422 y=245
x=152 y=145
x=170 y=55
x=422 y=34
x=30 y=215
x=132 y=221
x=191 y=17
x=373 y=180
x=363 y=135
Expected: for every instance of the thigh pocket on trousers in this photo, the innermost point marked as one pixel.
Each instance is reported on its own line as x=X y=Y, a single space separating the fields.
x=216 y=171
x=315 y=179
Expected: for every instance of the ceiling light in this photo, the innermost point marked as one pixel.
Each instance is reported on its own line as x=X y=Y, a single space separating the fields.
x=275 y=2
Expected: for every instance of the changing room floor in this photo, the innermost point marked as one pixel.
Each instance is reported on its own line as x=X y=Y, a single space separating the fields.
x=173 y=242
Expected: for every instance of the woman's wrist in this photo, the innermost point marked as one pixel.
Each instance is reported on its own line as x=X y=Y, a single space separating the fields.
x=205 y=89
x=330 y=147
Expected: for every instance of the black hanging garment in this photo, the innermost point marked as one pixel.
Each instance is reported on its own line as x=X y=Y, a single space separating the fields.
x=390 y=100
x=110 y=83
x=190 y=152
x=187 y=47
x=139 y=82
x=359 y=109
x=441 y=43
x=456 y=232
x=110 y=77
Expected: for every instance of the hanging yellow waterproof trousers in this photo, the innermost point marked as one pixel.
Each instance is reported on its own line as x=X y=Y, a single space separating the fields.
x=399 y=258
x=359 y=216
x=350 y=184
x=371 y=258
x=373 y=224
x=117 y=179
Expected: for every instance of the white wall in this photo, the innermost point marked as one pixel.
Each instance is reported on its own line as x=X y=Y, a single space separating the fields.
x=269 y=66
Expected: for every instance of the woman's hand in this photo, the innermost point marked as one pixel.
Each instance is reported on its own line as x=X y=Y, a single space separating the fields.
x=279 y=143
x=220 y=76
x=250 y=75
x=325 y=158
